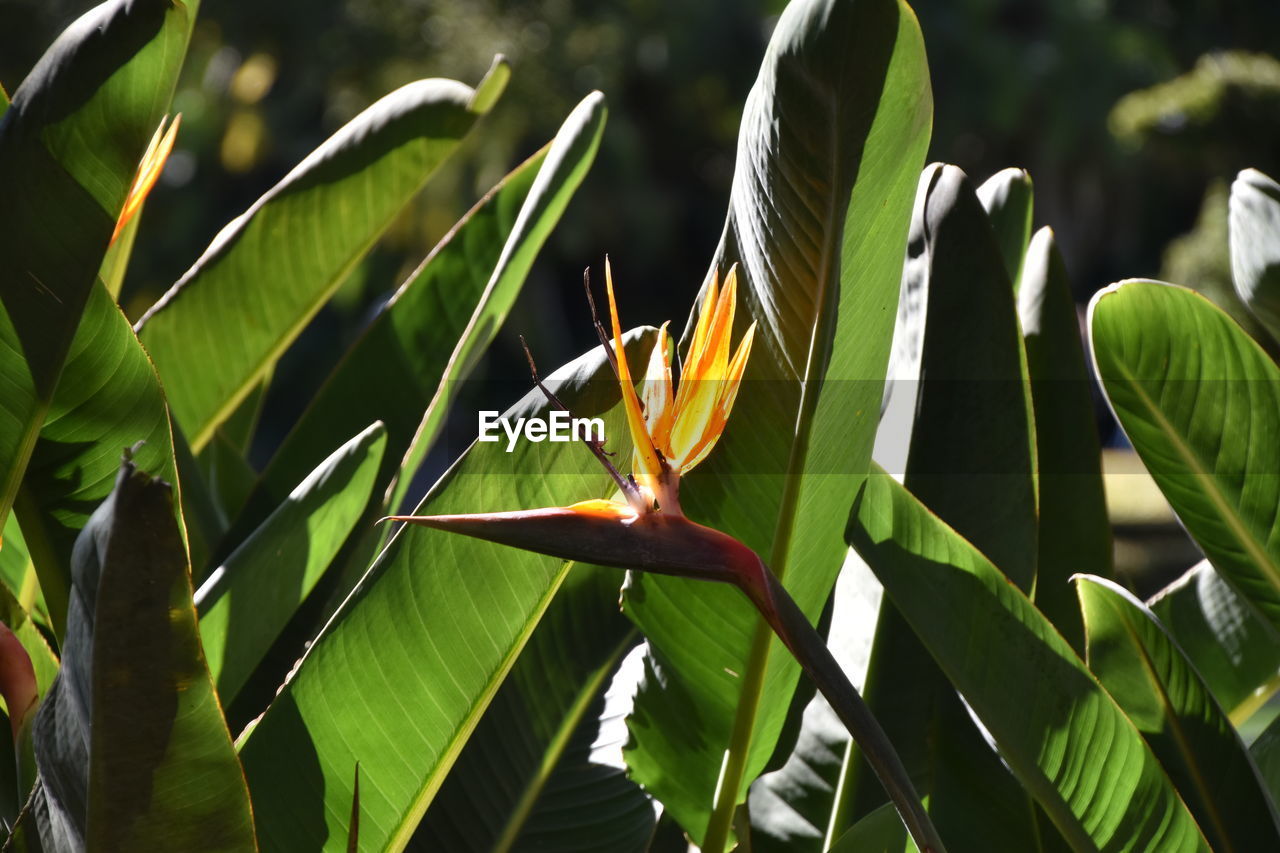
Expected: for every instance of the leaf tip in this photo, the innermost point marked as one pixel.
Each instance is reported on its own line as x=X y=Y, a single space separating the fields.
x=491 y=86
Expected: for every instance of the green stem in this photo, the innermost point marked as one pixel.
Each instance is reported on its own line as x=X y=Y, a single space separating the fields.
x=716 y=838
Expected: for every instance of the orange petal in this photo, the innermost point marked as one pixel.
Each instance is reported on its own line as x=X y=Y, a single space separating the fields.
x=646 y=454
x=657 y=395
x=724 y=405
x=149 y=169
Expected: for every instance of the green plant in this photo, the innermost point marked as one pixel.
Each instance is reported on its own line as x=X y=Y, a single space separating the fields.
x=455 y=693
x=83 y=385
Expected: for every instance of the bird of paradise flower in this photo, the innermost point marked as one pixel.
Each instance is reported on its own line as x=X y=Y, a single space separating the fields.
x=672 y=430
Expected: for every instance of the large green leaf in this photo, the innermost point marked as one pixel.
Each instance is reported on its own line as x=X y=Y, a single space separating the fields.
x=529 y=777
x=971 y=460
x=107 y=399
x=227 y=320
x=402 y=674
x=132 y=750
x=1008 y=199
x=1233 y=649
x=69 y=146
x=1254 y=225
x=1075 y=533
x=569 y=158
x=248 y=600
x=1200 y=401
x=795 y=807
x=971 y=456
x=1145 y=672
x=817 y=224
x=414 y=355
x=1060 y=733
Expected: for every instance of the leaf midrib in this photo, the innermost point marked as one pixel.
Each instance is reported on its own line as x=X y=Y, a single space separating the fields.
x=1210 y=489
x=435 y=778
x=761 y=644
x=200 y=436
x=1178 y=732
x=559 y=743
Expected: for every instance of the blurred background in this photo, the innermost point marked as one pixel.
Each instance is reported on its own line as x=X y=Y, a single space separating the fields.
x=1132 y=119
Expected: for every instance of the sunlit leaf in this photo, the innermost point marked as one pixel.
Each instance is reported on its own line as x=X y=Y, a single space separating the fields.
x=1061 y=734
x=1255 y=245
x=108 y=399
x=532 y=775
x=230 y=317
x=1075 y=533
x=1158 y=688
x=817 y=224
x=402 y=674
x=43 y=660
x=1007 y=197
x=248 y=600
x=971 y=459
x=1233 y=649
x=408 y=365
x=18 y=574
x=69 y=146
x=1200 y=401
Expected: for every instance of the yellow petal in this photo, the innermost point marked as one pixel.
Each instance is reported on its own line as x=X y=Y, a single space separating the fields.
x=649 y=463
x=705 y=313
x=722 y=327
x=724 y=405
x=737 y=367
x=657 y=395
x=599 y=508
x=710 y=360
x=702 y=378
x=149 y=169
